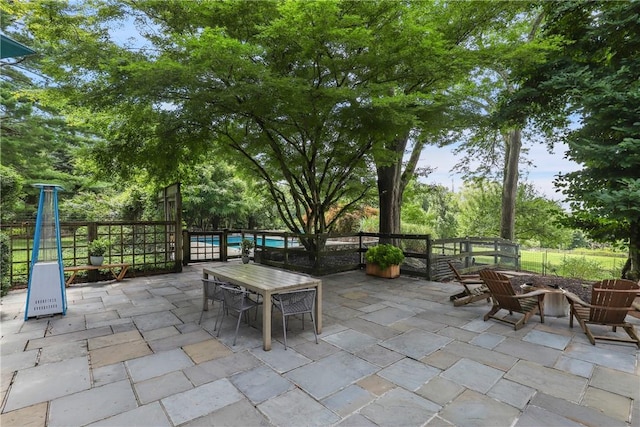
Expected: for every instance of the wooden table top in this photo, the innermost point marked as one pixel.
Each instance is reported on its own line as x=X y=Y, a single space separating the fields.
x=259 y=277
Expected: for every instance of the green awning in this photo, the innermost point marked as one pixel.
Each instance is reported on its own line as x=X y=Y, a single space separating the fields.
x=10 y=48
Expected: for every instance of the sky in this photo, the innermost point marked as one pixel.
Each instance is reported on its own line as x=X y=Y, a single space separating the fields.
x=541 y=174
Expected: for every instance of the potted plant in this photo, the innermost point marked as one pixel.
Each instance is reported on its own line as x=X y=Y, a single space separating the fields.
x=247 y=245
x=384 y=260
x=97 y=248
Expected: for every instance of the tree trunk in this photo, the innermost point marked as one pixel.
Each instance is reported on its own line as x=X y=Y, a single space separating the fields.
x=215 y=222
x=390 y=201
x=513 y=144
x=392 y=181
x=634 y=250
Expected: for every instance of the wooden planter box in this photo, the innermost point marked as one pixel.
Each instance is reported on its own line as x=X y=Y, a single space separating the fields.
x=390 y=272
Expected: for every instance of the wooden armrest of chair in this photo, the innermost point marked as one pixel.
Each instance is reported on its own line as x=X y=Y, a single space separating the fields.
x=575 y=298
x=536 y=293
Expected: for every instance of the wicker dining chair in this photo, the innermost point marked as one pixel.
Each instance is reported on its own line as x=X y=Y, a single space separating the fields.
x=296 y=302
x=211 y=292
x=237 y=301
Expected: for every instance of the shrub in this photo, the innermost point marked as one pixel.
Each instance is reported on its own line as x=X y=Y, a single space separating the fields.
x=99 y=246
x=247 y=245
x=384 y=255
x=5 y=263
x=581 y=268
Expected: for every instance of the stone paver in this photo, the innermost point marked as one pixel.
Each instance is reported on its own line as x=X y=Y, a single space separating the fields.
x=206 y=350
x=550 y=381
x=330 y=374
x=379 y=355
x=260 y=384
x=559 y=342
x=376 y=384
x=534 y=416
x=281 y=360
x=308 y=412
x=534 y=352
x=416 y=343
x=160 y=387
x=392 y=352
x=387 y=316
x=481 y=355
x=512 y=393
x=92 y=405
x=109 y=374
x=473 y=375
x=617 y=382
x=348 y=400
x=409 y=373
x=579 y=413
x=350 y=340
x=601 y=355
x=48 y=382
x=608 y=403
x=19 y=360
x=475 y=409
x=118 y=353
x=195 y=403
x=158 y=364
x=400 y=407
x=30 y=416
x=221 y=368
x=574 y=366
x=156 y=320
x=238 y=414
x=109 y=340
x=487 y=340
x=144 y=416
x=440 y=390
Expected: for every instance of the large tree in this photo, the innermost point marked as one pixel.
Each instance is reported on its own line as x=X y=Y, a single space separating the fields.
x=536 y=217
x=307 y=94
x=430 y=77
x=596 y=78
x=496 y=147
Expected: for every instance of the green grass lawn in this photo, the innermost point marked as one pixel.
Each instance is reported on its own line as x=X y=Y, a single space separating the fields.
x=588 y=265
x=583 y=265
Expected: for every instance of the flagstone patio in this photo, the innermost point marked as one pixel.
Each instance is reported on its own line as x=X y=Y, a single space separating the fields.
x=392 y=353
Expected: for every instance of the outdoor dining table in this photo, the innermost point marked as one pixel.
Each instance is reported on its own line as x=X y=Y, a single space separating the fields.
x=267 y=281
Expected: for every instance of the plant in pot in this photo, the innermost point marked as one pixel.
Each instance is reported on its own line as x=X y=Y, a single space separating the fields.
x=97 y=248
x=384 y=260
x=247 y=245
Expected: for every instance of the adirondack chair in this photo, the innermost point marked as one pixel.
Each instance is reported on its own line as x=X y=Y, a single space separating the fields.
x=504 y=298
x=611 y=300
x=474 y=288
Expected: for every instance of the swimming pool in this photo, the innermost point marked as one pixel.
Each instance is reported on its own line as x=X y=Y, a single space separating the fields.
x=236 y=240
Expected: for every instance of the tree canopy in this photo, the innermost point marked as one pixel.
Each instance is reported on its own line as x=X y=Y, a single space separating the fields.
x=596 y=79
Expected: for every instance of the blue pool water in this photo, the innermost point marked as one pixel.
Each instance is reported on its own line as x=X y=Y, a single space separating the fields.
x=236 y=240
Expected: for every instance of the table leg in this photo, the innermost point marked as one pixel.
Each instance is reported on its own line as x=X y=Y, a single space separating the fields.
x=266 y=320
x=319 y=309
x=205 y=303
